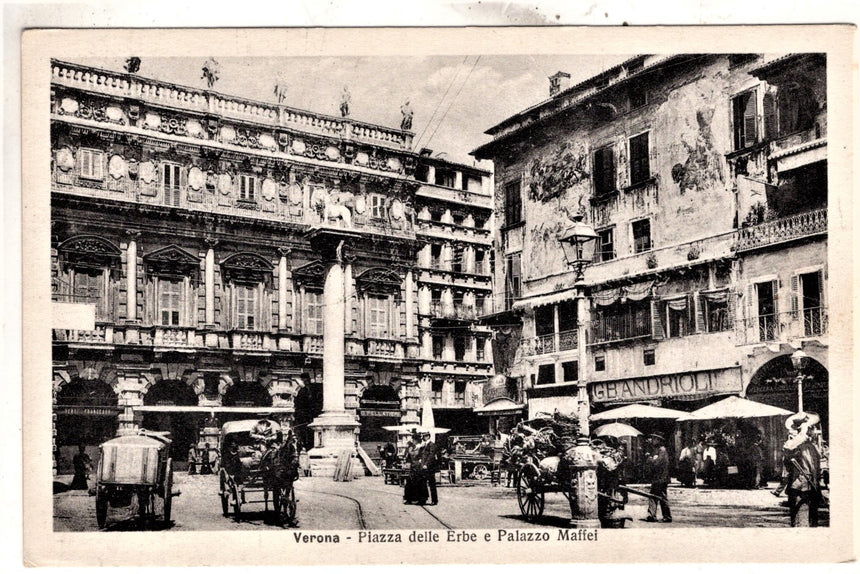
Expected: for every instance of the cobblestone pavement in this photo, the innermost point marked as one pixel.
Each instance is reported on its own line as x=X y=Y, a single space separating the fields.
x=368 y=503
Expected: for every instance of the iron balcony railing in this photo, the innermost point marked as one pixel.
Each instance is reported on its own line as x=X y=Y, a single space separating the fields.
x=783 y=229
x=551 y=343
x=809 y=322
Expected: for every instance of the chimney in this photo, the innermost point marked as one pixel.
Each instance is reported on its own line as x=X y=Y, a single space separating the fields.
x=558 y=82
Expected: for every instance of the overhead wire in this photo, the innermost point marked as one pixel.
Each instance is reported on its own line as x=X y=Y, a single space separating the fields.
x=454 y=99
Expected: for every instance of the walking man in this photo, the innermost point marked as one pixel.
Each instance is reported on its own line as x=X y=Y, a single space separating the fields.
x=801 y=471
x=657 y=472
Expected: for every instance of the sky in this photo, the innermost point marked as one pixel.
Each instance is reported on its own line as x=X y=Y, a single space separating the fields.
x=455 y=98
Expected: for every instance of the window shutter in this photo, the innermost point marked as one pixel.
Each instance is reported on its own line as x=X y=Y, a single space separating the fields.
x=770 y=118
x=795 y=280
x=183 y=181
x=186 y=303
x=822 y=292
x=656 y=323
x=776 y=320
x=149 y=303
x=731 y=303
x=699 y=313
x=609 y=169
x=750 y=135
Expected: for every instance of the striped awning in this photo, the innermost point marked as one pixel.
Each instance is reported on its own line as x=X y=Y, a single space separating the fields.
x=545 y=299
x=501 y=406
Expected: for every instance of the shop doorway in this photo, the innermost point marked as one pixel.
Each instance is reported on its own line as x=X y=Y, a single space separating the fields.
x=308 y=406
x=87 y=414
x=379 y=407
x=181 y=426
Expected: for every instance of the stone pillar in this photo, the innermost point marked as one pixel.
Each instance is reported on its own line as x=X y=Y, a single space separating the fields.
x=409 y=302
x=131 y=277
x=347 y=296
x=427 y=344
x=130 y=395
x=282 y=293
x=458 y=180
x=209 y=281
x=582 y=358
x=431 y=174
x=334 y=429
x=447 y=302
x=424 y=299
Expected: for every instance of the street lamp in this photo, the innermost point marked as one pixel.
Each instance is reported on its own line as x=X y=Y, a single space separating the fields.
x=578 y=243
x=799 y=359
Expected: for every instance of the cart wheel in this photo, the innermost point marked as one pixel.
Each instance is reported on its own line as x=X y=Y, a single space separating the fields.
x=168 y=489
x=225 y=494
x=237 y=502
x=530 y=495
x=480 y=472
x=101 y=507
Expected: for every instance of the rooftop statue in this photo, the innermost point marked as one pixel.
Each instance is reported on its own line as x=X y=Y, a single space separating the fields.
x=132 y=64
x=345 y=98
x=281 y=89
x=211 y=68
x=406 y=110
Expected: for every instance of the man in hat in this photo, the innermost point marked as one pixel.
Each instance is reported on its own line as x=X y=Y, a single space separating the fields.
x=801 y=470
x=429 y=464
x=657 y=472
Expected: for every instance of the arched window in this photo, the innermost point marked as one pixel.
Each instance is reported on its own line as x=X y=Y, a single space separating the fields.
x=172 y=278
x=88 y=272
x=248 y=279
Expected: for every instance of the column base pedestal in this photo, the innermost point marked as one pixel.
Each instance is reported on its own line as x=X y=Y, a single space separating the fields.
x=334 y=433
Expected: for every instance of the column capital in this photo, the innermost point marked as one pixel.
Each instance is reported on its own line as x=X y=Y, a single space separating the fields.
x=210 y=241
x=284 y=251
x=132 y=233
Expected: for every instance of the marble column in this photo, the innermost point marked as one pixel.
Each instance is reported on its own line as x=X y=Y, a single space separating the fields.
x=209 y=281
x=410 y=326
x=131 y=278
x=282 y=293
x=334 y=429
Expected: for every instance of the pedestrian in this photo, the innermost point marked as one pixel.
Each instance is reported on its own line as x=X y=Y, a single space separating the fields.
x=801 y=470
x=657 y=473
x=686 y=465
x=83 y=465
x=192 y=459
x=206 y=466
x=415 y=488
x=709 y=462
x=430 y=465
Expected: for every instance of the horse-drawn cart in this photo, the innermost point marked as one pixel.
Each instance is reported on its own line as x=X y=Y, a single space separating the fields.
x=135 y=466
x=250 y=468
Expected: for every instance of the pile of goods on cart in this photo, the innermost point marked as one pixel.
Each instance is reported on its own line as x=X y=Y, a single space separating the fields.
x=542 y=456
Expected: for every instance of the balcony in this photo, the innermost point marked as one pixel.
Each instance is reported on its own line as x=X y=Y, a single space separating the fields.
x=101 y=335
x=169 y=336
x=811 y=322
x=465 y=367
x=247 y=341
x=383 y=348
x=312 y=344
x=799 y=226
x=551 y=343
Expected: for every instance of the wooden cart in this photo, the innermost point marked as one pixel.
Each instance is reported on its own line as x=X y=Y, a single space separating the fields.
x=135 y=466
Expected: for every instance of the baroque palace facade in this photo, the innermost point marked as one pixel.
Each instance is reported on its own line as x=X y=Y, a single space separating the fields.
x=705 y=179
x=225 y=244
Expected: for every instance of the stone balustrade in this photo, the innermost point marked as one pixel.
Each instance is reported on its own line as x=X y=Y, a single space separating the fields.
x=789 y=228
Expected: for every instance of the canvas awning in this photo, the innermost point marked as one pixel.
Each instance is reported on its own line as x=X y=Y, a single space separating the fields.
x=545 y=299
x=500 y=406
x=735 y=407
x=638 y=412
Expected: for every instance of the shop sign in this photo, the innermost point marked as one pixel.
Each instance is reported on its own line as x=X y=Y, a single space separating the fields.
x=377 y=413
x=704 y=383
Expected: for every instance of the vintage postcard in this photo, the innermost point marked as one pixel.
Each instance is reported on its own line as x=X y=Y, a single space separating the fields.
x=493 y=295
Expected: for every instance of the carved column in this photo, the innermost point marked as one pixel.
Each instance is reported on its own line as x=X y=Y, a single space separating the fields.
x=410 y=326
x=131 y=276
x=282 y=290
x=209 y=282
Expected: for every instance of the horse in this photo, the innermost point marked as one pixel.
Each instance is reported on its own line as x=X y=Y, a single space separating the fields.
x=279 y=468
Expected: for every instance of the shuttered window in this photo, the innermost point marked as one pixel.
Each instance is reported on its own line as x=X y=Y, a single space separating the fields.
x=377 y=308
x=247 y=188
x=604 y=171
x=246 y=306
x=605 y=250
x=169 y=300
x=641 y=235
x=171 y=180
x=513 y=203
x=512 y=280
x=314 y=308
x=91 y=164
x=744 y=120
x=640 y=165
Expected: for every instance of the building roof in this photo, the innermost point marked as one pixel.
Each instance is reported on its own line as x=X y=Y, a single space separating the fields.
x=576 y=95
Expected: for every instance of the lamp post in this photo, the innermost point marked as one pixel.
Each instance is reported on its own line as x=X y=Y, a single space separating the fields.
x=798 y=359
x=578 y=243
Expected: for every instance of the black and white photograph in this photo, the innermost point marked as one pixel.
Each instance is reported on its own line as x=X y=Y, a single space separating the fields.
x=466 y=297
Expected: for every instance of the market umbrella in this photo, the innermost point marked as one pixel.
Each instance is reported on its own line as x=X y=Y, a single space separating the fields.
x=428 y=421
x=735 y=407
x=616 y=430
x=638 y=412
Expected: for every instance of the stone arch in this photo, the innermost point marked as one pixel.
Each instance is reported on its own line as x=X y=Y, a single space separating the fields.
x=86 y=412
x=254 y=393
x=89 y=371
